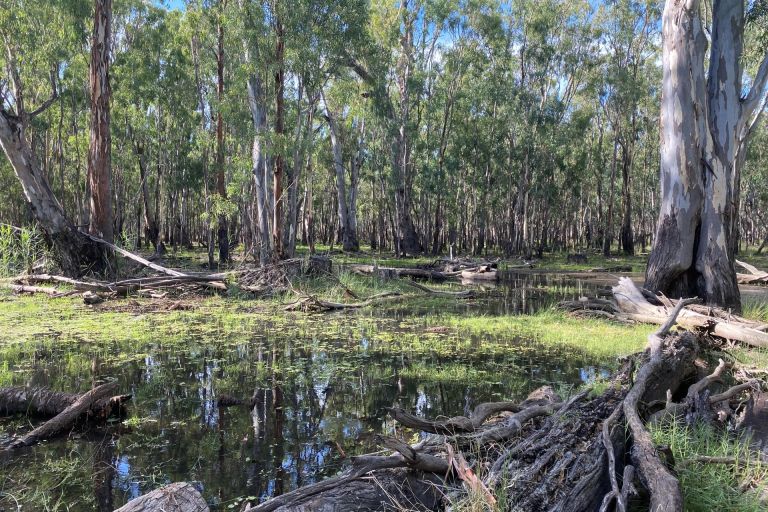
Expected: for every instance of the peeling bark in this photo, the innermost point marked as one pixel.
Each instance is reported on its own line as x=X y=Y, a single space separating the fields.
x=704 y=126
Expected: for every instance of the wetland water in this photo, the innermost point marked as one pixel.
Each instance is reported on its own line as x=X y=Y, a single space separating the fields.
x=319 y=384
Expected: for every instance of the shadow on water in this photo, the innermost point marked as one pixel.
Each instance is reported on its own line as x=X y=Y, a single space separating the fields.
x=310 y=398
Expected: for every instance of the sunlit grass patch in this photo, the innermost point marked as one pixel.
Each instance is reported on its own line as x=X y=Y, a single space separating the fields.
x=596 y=337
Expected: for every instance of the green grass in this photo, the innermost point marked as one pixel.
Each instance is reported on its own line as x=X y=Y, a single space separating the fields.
x=596 y=337
x=708 y=486
x=19 y=248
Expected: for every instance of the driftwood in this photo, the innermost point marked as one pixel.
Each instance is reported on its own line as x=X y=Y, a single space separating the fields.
x=630 y=304
x=44 y=402
x=483 y=273
x=418 y=273
x=84 y=405
x=754 y=276
x=178 y=497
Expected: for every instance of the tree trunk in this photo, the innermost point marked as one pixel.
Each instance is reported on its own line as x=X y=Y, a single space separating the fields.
x=151 y=230
x=704 y=125
x=195 y=47
x=354 y=183
x=277 y=217
x=408 y=240
x=257 y=103
x=99 y=153
x=71 y=249
x=626 y=235
x=221 y=186
x=348 y=238
x=608 y=239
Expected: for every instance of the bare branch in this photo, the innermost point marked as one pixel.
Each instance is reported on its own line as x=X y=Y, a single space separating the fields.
x=755 y=101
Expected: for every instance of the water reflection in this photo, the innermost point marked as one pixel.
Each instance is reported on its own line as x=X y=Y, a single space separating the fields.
x=308 y=402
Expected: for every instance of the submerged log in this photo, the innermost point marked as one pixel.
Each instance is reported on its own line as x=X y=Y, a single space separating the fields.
x=177 y=497
x=44 y=402
x=312 y=303
x=84 y=405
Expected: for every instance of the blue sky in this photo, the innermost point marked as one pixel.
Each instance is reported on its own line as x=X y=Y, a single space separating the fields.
x=173 y=4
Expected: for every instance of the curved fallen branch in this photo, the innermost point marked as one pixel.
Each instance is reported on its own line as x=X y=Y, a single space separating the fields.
x=464 y=294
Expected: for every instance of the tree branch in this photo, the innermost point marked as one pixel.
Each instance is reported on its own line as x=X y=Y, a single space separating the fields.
x=755 y=99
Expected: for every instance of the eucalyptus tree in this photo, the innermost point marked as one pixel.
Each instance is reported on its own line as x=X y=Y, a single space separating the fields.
x=706 y=122
x=32 y=62
x=99 y=153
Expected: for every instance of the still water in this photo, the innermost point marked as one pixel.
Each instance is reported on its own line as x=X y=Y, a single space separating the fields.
x=311 y=395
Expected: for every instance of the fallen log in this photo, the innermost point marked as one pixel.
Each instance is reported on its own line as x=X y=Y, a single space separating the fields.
x=125 y=286
x=755 y=276
x=22 y=288
x=615 y=268
x=481 y=274
x=630 y=304
x=177 y=497
x=464 y=294
x=418 y=273
x=135 y=257
x=66 y=419
x=312 y=303
x=44 y=402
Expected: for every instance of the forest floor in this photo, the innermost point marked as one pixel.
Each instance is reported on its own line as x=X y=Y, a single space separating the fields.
x=425 y=352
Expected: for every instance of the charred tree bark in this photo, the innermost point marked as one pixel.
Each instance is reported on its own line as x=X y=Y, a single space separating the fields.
x=408 y=240
x=626 y=235
x=99 y=153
